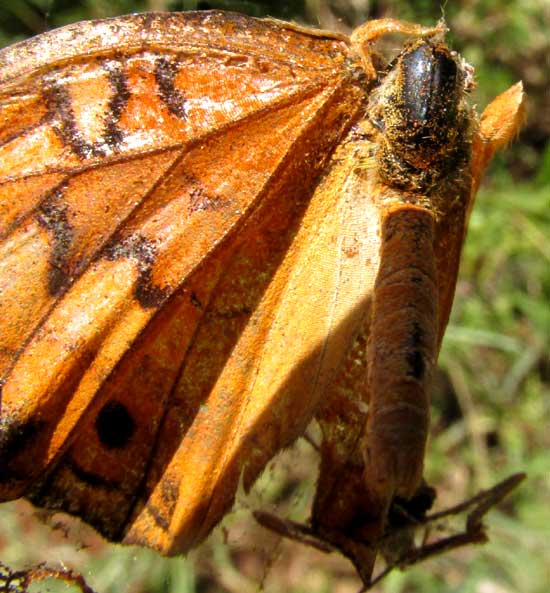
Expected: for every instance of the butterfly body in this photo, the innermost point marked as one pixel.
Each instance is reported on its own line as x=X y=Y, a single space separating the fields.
x=195 y=270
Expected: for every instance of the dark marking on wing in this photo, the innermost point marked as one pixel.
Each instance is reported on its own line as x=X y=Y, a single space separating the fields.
x=157 y=516
x=165 y=73
x=169 y=491
x=59 y=101
x=144 y=252
x=234 y=312
x=117 y=104
x=195 y=301
x=114 y=425
x=89 y=478
x=14 y=437
x=52 y=216
x=149 y=295
x=200 y=200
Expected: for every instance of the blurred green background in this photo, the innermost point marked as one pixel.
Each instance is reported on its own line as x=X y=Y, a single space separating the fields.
x=491 y=399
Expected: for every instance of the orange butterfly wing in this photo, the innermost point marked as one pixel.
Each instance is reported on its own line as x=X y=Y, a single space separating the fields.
x=140 y=198
x=182 y=303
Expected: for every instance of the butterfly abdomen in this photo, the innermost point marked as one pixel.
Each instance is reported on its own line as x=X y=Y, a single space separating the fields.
x=401 y=352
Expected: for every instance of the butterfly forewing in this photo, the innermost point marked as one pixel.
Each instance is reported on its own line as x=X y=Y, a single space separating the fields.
x=156 y=177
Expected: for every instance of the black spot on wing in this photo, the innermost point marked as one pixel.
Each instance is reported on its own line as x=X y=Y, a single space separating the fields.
x=165 y=74
x=52 y=216
x=114 y=425
x=144 y=252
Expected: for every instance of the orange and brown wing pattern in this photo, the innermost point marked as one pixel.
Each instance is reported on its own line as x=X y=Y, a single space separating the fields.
x=144 y=208
x=212 y=230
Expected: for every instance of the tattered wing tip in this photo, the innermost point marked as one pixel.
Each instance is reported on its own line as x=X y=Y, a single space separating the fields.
x=503 y=118
x=500 y=123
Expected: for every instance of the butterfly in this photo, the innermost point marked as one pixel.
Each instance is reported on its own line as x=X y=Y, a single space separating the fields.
x=214 y=229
